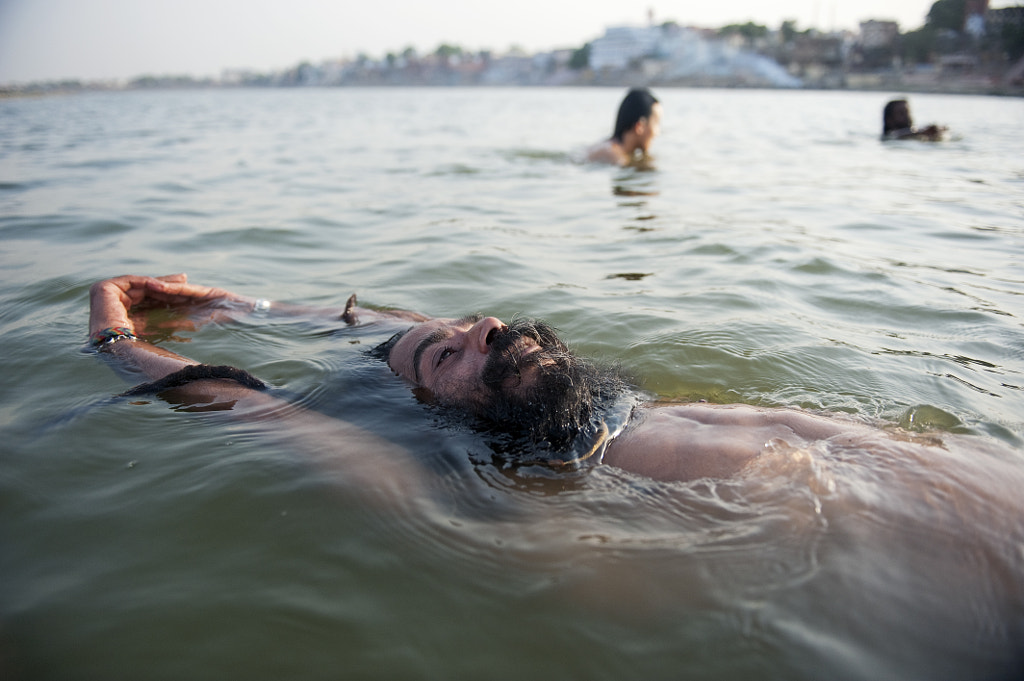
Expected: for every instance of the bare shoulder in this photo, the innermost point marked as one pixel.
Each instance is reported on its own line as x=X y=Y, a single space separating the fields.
x=687 y=441
x=809 y=424
x=607 y=151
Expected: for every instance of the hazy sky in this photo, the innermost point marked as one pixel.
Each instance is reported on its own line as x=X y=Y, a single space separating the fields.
x=98 y=39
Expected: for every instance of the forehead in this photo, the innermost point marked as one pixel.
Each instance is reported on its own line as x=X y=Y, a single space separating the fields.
x=408 y=351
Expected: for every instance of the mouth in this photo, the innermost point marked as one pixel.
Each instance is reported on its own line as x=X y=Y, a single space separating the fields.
x=514 y=365
x=529 y=347
x=531 y=360
x=520 y=352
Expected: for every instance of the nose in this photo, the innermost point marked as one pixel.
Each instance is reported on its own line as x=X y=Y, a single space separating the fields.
x=482 y=333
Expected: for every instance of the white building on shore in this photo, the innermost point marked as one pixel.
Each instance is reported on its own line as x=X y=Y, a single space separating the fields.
x=670 y=52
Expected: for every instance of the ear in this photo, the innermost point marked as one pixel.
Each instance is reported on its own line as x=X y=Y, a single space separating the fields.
x=640 y=127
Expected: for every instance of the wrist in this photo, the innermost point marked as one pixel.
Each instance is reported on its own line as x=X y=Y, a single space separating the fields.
x=110 y=335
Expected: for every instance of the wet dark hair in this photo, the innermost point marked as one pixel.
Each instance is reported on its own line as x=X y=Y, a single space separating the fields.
x=889 y=112
x=638 y=103
x=383 y=351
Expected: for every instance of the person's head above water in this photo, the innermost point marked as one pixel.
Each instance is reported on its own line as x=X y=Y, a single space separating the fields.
x=639 y=115
x=898 y=125
x=519 y=379
x=637 y=124
x=896 y=116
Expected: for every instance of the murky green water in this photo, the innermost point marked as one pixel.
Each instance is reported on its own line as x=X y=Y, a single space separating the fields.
x=779 y=254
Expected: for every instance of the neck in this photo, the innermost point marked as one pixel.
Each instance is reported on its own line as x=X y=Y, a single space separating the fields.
x=629 y=143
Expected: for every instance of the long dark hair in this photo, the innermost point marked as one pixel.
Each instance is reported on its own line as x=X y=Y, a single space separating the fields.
x=637 y=104
x=889 y=112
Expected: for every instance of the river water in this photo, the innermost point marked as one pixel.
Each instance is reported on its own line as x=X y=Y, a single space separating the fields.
x=777 y=253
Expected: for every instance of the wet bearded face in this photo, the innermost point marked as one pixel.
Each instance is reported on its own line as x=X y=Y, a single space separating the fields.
x=530 y=387
x=548 y=396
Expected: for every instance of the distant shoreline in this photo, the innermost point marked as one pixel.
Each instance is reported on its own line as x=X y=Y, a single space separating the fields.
x=882 y=85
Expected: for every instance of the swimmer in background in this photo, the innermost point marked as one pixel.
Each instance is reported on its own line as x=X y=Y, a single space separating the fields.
x=898 y=125
x=636 y=125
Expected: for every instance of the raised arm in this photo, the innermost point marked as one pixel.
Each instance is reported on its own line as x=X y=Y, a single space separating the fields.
x=113 y=303
x=116 y=329
x=176 y=290
x=113 y=328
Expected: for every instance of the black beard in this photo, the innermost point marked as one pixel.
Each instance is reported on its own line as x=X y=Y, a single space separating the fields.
x=506 y=363
x=561 y=403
